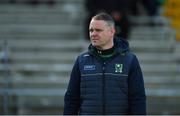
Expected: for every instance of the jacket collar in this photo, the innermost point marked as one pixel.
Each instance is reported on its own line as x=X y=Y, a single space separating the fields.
x=120 y=46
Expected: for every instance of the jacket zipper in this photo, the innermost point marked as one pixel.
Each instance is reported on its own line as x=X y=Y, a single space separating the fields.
x=103 y=88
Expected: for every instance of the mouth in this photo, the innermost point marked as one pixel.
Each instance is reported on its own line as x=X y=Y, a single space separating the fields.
x=94 y=39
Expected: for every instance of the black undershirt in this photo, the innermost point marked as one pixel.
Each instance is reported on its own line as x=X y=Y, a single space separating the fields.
x=105 y=54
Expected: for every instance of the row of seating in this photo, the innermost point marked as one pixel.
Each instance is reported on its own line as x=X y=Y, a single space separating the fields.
x=154 y=48
x=43 y=43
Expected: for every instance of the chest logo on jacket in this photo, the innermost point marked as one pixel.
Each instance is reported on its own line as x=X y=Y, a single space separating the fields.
x=118 y=68
x=89 y=67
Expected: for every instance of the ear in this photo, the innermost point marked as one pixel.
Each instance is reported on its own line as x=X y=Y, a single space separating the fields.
x=113 y=31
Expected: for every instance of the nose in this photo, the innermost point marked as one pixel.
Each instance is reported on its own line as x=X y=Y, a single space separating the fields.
x=93 y=33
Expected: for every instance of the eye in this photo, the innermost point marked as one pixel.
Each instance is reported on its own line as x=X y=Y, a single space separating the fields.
x=98 y=30
x=91 y=30
x=95 y=30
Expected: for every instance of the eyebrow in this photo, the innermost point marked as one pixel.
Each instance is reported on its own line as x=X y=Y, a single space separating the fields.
x=96 y=29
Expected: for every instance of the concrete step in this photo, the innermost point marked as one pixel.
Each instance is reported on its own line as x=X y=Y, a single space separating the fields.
x=37 y=68
x=26 y=105
x=167 y=68
x=70 y=9
x=71 y=1
x=44 y=57
x=35 y=82
x=177 y=51
x=36 y=75
x=166 y=92
x=57 y=1
x=33 y=35
x=151 y=43
x=37 y=97
x=163 y=104
x=56 y=44
x=169 y=36
x=148 y=73
x=40 y=32
x=161 y=78
x=40 y=28
x=151 y=31
x=53 y=77
x=38 y=18
x=151 y=46
x=154 y=34
x=152 y=82
x=163 y=100
x=155 y=57
x=146 y=20
x=41 y=8
x=64 y=13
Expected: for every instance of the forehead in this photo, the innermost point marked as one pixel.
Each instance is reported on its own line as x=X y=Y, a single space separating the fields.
x=98 y=23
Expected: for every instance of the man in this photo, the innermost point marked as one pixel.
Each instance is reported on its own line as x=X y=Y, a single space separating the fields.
x=107 y=79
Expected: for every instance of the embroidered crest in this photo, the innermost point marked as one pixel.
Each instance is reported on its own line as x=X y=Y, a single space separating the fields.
x=118 y=68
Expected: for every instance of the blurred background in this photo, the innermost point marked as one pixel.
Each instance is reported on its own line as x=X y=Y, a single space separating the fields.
x=40 y=40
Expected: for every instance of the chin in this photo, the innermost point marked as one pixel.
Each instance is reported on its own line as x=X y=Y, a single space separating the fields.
x=94 y=44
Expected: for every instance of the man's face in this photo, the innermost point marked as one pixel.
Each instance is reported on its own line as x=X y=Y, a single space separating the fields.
x=101 y=34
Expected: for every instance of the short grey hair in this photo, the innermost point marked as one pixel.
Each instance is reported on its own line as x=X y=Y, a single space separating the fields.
x=105 y=17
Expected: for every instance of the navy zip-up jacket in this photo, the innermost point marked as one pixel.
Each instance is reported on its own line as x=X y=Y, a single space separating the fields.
x=113 y=86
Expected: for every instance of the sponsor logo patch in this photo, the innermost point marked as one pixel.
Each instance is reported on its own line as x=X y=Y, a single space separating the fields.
x=89 y=67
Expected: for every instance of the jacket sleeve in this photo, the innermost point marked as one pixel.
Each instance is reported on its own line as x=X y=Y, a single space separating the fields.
x=72 y=95
x=137 y=97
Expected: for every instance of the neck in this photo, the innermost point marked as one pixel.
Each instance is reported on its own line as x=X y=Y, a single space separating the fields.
x=109 y=46
x=106 y=52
